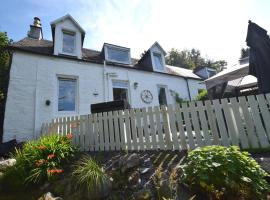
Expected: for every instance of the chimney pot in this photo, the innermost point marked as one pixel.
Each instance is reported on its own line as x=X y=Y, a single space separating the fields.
x=36 y=29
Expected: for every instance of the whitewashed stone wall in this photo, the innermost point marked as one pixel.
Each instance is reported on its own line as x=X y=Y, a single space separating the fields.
x=33 y=80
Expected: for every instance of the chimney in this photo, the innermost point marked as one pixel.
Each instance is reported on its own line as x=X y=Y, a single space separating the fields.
x=35 y=29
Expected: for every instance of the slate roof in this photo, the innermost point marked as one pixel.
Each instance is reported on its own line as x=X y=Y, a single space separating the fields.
x=45 y=47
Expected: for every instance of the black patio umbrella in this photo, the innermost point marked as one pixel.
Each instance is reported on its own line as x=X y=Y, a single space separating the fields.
x=259 y=55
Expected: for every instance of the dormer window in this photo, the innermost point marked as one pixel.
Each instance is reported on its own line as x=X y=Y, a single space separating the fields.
x=117 y=54
x=158 y=62
x=68 y=42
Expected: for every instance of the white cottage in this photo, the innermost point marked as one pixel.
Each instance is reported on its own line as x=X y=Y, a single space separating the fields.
x=55 y=78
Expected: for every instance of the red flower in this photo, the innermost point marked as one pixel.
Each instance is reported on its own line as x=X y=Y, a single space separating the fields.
x=42 y=147
x=50 y=156
x=55 y=171
x=69 y=136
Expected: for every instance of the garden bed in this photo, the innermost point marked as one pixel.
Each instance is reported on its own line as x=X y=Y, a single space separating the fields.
x=53 y=165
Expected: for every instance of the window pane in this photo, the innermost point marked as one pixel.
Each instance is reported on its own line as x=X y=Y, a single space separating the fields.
x=68 y=42
x=120 y=84
x=120 y=94
x=158 y=61
x=162 y=96
x=118 y=55
x=66 y=94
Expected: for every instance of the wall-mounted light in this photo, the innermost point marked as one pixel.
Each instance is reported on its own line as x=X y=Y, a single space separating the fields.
x=173 y=93
x=135 y=84
x=47 y=102
x=95 y=93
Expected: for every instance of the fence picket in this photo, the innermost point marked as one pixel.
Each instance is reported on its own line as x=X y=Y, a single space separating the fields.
x=250 y=127
x=140 y=128
x=232 y=131
x=166 y=127
x=96 y=135
x=172 y=124
x=127 y=129
x=146 y=129
x=133 y=130
x=116 y=130
x=100 y=131
x=68 y=125
x=195 y=123
x=153 y=133
x=204 y=123
x=91 y=133
x=111 y=131
x=257 y=121
x=180 y=127
x=212 y=122
x=106 y=132
x=82 y=131
x=64 y=126
x=221 y=124
x=122 y=131
x=159 y=128
x=265 y=113
x=189 y=132
x=239 y=124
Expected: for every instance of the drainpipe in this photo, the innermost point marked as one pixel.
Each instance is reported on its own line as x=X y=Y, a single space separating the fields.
x=104 y=80
x=188 y=89
x=35 y=105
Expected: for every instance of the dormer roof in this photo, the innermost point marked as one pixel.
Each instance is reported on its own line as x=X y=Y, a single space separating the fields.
x=159 y=46
x=61 y=19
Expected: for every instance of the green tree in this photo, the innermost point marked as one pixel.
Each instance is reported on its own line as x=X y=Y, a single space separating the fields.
x=244 y=53
x=191 y=59
x=4 y=75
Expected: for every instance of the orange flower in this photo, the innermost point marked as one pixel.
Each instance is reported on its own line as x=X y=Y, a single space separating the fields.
x=50 y=156
x=40 y=162
x=55 y=171
x=42 y=147
x=69 y=136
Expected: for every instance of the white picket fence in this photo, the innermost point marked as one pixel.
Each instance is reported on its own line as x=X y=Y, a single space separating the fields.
x=243 y=121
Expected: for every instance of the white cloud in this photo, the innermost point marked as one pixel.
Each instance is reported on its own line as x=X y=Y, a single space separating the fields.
x=218 y=28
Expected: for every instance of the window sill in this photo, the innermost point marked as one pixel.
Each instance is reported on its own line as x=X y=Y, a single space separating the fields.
x=68 y=55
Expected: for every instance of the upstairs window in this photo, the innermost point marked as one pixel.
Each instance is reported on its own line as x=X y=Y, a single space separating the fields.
x=119 y=55
x=68 y=42
x=158 y=62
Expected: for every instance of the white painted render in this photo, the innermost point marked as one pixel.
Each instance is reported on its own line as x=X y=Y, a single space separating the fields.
x=33 y=80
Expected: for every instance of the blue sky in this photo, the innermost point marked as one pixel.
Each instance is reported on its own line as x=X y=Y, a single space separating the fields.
x=218 y=28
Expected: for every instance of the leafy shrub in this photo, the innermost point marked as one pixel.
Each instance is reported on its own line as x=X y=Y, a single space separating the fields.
x=44 y=158
x=90 y=178
x=222 y=172
x=202 y=96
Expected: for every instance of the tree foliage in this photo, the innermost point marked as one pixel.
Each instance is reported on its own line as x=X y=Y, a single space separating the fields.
x=244 y=53
x=191 y=59
x=4 y=75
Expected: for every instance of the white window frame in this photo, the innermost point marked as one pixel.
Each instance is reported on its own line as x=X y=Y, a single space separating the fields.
x=162 y=61
x=76 y=94
x=127 y=87
x=166 y=92
x=65 y=31
x=120 y=49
